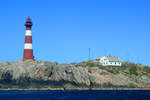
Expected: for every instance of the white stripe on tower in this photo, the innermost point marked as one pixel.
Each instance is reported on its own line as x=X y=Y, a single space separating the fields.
x=28 y=33
x=28 y=46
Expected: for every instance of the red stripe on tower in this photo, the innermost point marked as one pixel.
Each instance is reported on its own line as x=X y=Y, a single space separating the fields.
x=28 y=51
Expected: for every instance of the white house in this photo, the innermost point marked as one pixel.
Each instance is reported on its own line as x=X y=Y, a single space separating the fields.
x=109 y=61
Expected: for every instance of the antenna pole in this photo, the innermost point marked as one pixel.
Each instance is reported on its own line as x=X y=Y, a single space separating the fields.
x=89 y=53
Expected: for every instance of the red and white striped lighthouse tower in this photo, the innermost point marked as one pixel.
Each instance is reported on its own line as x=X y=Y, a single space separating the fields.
x=28 y=51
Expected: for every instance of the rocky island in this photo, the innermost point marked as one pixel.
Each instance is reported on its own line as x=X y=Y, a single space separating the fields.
x=85 y=75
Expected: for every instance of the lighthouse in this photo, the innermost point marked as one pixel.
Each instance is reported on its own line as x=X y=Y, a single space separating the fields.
x=28 y=51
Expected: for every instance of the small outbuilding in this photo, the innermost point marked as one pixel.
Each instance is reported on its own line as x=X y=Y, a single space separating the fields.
x=109 y=61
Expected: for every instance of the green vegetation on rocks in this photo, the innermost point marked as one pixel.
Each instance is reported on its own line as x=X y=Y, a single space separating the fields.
x=133 y=70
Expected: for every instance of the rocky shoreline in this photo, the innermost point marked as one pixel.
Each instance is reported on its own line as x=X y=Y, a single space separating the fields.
x=86 y=75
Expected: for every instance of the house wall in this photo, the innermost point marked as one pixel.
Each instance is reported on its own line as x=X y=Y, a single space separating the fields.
x=111 y=63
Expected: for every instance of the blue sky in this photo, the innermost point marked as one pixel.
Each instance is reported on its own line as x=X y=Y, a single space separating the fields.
x=63 y=30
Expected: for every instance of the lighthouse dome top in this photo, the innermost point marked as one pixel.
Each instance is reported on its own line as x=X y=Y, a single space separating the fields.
x=28 y=18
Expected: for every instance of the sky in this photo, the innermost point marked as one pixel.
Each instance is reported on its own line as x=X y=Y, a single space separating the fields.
x=64 y=30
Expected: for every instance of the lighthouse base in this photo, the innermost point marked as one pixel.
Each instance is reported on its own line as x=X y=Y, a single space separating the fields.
x=28 y=54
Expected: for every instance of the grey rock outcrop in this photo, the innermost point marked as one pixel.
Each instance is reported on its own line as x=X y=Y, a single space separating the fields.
x=29 y=73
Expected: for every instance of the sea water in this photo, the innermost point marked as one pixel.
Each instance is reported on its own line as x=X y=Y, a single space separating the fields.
x=75 y=95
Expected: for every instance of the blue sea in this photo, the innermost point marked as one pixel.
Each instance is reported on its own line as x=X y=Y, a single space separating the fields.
x=75 y=95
